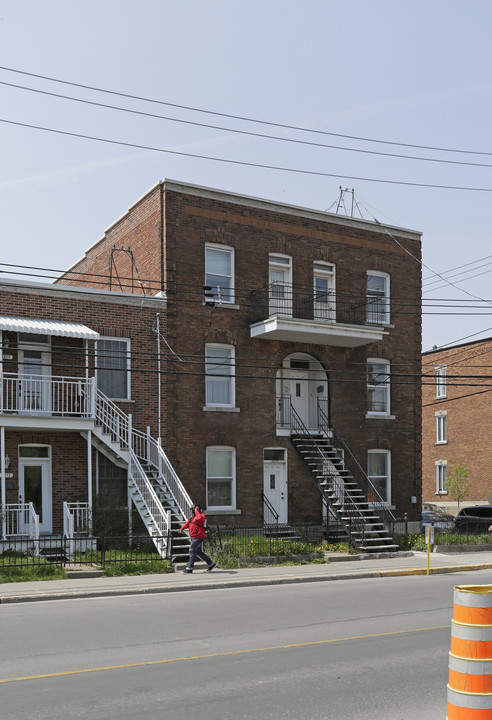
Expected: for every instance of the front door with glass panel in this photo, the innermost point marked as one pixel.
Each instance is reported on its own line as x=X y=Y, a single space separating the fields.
x=280 y=287
x=275 y=491
x=34 y=384
x=324 y=298
x=298 y=389
x=35 y=484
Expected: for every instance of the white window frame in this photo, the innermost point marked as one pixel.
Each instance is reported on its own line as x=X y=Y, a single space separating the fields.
x=220 y=295
x=127 y=342
x=441 y=477
x=324 y=301
x=440 y=381
x=225 y=376
x=441 y=427
x=280 y=293
x=384 y=384
x=231 y=478
x=380 y=302
x=387 y=454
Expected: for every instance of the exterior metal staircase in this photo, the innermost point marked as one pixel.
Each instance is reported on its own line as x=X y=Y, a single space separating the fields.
x=155 y=489
x=345 y=486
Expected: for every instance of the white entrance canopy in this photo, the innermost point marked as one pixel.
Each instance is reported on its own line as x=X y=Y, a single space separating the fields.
x=48 y=327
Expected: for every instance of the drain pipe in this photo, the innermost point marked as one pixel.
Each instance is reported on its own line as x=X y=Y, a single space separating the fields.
x=158 y=325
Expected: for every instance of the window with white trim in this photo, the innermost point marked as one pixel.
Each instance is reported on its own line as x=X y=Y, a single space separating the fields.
x=280 y=284
x=379 y=473
x=221 y=478
x=378 y=387
x=378 y=298
x=113 y=367
x=441 y=470
x=219 y=376
x=324 y=291
x=441 y=427
x=219 y=272
x=440 y=382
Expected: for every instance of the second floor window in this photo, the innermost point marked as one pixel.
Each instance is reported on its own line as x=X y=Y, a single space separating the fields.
x=219 y=371
x=113 y=368
x=378 y=387
x=378 y=298
x=441 y=428
x=219 y=272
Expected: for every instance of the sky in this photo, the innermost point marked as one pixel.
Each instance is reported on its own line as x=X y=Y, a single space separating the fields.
x=361 y=84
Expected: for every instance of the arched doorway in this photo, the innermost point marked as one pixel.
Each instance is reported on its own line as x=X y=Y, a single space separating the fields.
x=303 y=384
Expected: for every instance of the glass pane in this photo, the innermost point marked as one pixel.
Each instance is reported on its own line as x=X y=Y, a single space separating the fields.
x=33 y=488
x=218 y=262
x=275 y=455
x=219 y=493
x=377 y=373
x=377 y=399
x=376 y=284
x=218 y=391
x=381 y=486
x=112 y=364
x=377 y=464
x=219 y=463
x=36 y=451
x=219 y=361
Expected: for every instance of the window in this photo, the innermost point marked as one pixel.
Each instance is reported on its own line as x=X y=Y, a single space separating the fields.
x=324 y=291
x=219 y=272
x=378 y=304
x=441 y=467
x=221 y=478
x=378 y=387
x=441 y=430
x=112 y=368
x=379 y=473
x=280 y=285
x=219 y=370
x=440 y=382
x=112 y=481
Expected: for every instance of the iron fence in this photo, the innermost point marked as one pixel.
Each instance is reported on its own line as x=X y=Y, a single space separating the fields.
x=267 y=540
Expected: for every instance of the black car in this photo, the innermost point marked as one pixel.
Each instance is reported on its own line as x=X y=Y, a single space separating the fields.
x=475 y=519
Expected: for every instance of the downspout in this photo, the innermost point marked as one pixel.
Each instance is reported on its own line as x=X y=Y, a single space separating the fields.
x=161 y=237
x=158 y=329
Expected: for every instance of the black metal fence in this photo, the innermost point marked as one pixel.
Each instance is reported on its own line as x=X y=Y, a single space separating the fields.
x=267 y=540
x=91 y=551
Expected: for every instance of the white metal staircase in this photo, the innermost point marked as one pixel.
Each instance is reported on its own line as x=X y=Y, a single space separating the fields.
x=156 y=490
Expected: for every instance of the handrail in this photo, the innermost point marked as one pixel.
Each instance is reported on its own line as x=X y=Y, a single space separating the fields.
x=269 y=507
x=157 y=514
x=50 y=395
x=377 y=501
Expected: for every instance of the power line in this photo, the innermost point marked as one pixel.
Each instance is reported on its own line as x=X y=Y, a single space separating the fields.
x=243 y=118
x=243 y=163
x=249 y=133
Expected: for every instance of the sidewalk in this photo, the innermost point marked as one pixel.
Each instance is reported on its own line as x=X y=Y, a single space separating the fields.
x=340 y=567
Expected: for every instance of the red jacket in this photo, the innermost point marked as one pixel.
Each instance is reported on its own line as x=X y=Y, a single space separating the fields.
x=196 y=525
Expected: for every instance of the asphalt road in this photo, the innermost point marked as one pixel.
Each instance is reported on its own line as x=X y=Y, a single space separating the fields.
x=369 y=648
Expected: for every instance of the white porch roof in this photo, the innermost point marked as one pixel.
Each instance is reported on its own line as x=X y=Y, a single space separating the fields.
x=48 y=327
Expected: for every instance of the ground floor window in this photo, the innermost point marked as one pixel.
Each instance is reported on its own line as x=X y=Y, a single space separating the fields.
x=441 y=470
x=221 y=478
x=379 y=472
x=112 y=482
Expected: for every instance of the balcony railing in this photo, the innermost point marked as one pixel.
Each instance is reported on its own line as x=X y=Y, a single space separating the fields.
x=35 y=395
x=304 y=303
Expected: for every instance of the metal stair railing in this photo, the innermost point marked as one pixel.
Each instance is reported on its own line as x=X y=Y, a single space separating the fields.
x=357 y=519
x=268 y=505
x=349 y=460
x=159 y=518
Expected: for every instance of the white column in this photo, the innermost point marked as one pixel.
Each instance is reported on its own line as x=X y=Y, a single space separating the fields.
x=89 y=469
x=2 y=456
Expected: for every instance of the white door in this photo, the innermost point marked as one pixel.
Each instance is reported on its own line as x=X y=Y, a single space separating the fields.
x=300 y=395
x=280 y=292
x=324 y=299
x=34 y=383
x=275 y=491
x=35 y=487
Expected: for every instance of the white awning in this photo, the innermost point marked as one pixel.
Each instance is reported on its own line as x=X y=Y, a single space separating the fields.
x=47 y=327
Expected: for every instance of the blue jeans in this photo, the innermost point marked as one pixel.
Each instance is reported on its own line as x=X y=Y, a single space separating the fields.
x=196 y=549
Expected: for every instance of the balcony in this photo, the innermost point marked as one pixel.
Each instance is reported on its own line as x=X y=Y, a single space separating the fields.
x=295 y=314
x=45 y=401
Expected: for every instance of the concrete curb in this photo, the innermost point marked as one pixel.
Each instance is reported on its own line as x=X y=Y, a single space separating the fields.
x=246 y=582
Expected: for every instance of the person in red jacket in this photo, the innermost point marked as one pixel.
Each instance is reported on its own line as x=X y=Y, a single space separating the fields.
x=196 y=527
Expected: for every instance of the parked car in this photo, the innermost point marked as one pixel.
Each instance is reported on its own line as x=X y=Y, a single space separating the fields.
x=440 y=521
x=475 y=519
x=432 y=507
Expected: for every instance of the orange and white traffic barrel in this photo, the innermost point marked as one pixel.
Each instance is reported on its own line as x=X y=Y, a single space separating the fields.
x=470 y=659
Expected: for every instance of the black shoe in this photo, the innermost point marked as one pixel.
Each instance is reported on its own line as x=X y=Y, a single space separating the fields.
x=211 y=567
x=187 y=570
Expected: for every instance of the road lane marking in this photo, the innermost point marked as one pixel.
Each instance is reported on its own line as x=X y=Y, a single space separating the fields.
x=148 y=663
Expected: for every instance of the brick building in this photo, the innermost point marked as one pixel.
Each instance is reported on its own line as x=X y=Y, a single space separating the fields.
x=288 y=338
x=64 y=352
x=456 y=419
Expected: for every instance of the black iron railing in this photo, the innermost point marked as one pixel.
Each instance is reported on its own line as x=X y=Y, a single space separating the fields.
x=305 y=303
